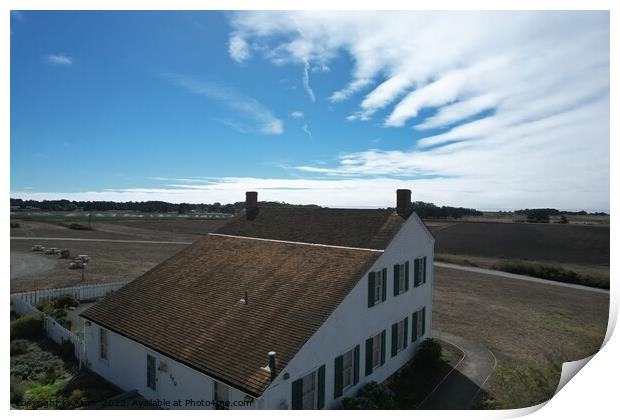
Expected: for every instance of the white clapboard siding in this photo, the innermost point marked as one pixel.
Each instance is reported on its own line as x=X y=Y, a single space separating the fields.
x=81 y=293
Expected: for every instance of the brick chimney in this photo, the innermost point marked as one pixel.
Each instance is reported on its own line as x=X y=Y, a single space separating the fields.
x=251 y=204
x=403 y=202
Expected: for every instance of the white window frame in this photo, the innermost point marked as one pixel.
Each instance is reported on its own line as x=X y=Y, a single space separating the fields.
x=402 y=279
x=104 y=345
x=376 y=350
x=420 y=322
x=400 y=335
x=347 y=376
x=312 y=392
x=218 y=388
x=421 y=270
x=379 y=286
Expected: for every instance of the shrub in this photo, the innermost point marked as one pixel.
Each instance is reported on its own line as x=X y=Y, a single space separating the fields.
x=551 y=272
x=65 y=301
x=429 y=354
x=19 y=346
x=66 y=350
x=372 y=396
x=18 y=388
x=30 y=326
x=35 y=365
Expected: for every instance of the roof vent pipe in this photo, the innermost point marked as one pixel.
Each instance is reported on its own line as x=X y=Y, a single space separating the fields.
x=403 y=202
x=273 y=364
x=251 y=204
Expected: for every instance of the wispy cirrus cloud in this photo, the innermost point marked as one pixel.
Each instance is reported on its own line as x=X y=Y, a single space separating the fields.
x=499 y=100
x=297 y=114
x=248 y=108
x=59 y=59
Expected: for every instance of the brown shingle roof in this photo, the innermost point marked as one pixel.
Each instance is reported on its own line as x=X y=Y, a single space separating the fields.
x=359 y=228
x=188 y=307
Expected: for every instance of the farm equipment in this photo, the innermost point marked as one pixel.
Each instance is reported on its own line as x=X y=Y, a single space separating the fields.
x=38 y=248
x=84 y=258
x=64 y=253
x=52 y=251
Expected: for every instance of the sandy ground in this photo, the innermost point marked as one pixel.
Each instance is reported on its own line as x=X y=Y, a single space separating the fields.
x=25 y=264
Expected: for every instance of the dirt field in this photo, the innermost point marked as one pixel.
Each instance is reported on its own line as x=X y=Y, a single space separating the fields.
x=582 y=245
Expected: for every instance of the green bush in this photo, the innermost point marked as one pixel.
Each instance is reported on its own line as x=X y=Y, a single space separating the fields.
x=35 y=365
x=372 y=396
x=19 y=346
x=551 y=272
x=66 y=350
x=428 y=355
x=18 y=388
x=65 y=301
x=29 y=326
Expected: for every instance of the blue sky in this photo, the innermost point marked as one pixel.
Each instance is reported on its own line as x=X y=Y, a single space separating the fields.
x=495 y=111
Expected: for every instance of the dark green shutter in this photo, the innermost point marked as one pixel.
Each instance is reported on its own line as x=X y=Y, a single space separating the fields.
x=356 y=365
x=423 y=321
x=297 y=394
x=382 y=347
x=416 y=272
x=371 y=290
x=384 y=285
x=424 y=278
x=406 y=276
x=414 y=327
x=338 y=377
x=396 y=267
x=394 y=339
x=368 y=356
x=321 y=397
x=405 y=332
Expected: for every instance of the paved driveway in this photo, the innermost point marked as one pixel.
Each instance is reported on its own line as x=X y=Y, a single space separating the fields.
x=461 y=388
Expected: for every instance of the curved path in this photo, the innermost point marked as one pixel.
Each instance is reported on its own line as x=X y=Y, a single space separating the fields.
x=460 y=389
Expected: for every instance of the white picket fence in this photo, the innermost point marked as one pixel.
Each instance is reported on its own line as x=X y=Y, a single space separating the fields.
x=24 y=304
x=84 y=293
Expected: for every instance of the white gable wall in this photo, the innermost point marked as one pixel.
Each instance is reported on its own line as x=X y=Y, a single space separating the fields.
x=353 y=322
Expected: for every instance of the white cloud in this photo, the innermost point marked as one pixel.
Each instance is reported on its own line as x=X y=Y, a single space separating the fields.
x=518 y=101
x=59 y=59
x=306 y=82
x=306 y=130
x=297 y=114
x=238 y=49
x=247 y=107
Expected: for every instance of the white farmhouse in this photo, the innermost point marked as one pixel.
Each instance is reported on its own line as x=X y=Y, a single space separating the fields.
x=281 y=308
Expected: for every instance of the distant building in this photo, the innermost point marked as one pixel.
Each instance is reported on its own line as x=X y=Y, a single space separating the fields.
x=280 y=308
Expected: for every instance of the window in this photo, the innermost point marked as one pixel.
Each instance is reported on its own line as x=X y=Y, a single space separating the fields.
x=399 y=336
x=346 y=371
x=375 y=352
x=377 y=281
x=420 y=271
x=418 y=324
x=309 y=391
x=103 y=344
x=221 y=395
x=401 y=278
x=151 y=374
x=379 y=286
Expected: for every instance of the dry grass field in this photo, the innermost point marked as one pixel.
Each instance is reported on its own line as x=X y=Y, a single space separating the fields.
x=529 y=327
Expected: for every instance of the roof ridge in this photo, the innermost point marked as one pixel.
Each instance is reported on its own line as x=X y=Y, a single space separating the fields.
x=295 y=243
